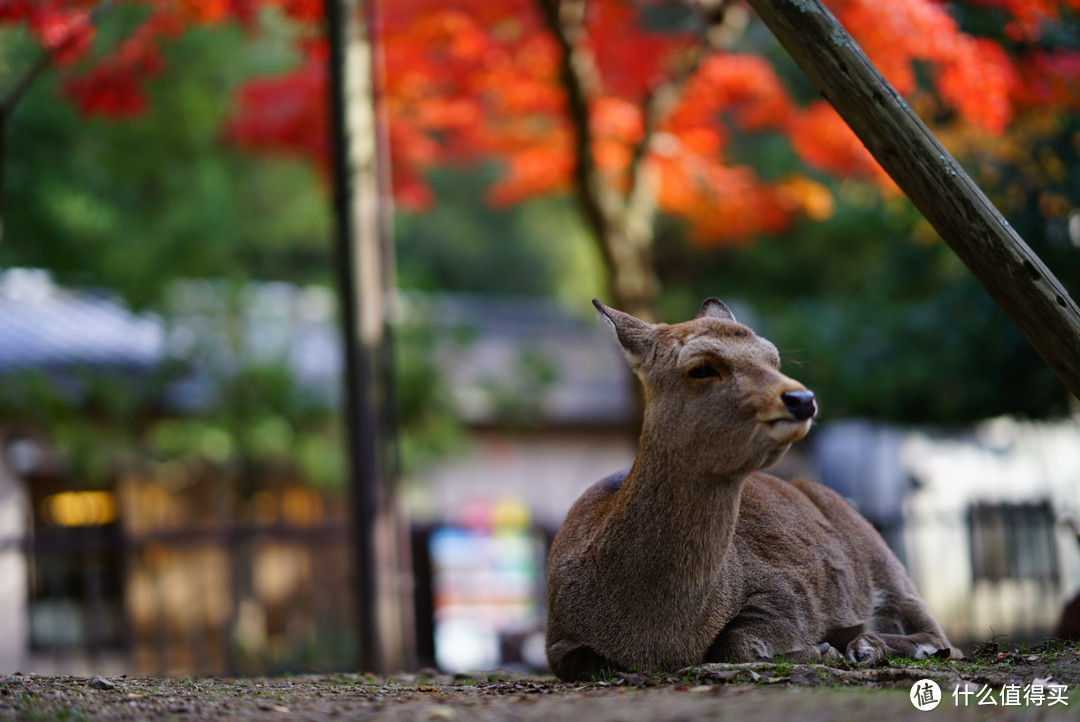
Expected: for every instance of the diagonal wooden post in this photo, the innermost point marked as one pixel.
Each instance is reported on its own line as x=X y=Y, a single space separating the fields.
x=1008 y=269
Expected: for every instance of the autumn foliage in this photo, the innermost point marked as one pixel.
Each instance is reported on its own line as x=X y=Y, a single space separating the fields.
x=112 y=83
x=472 y=80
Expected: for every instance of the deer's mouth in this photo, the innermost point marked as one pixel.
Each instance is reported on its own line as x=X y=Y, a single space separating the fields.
x=785 y=429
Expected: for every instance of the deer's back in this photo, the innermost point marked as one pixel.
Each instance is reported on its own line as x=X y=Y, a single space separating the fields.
x=801 y=540
x=783 y=523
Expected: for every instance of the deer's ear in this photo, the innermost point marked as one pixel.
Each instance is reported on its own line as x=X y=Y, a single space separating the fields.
x=715 y=308
x=633 y=334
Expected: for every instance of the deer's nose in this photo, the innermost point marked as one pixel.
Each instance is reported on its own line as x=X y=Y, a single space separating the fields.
x=799 y=403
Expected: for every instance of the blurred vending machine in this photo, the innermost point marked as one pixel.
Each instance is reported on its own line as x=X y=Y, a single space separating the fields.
x=488 y=589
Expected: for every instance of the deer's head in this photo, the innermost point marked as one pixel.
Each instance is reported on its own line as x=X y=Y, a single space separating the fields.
x=714 y=393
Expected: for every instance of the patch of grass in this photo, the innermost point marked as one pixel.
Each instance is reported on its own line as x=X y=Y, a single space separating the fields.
x=1052 y=645
x=924 y=663
x=606 y=674
x=783 y=668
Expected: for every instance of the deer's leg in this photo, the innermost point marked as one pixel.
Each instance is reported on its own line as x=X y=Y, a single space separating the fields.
x=577 y=662
x=823 y=652
x=743 y=640
x=740 y=648
x=875 y=646
x=901 y=627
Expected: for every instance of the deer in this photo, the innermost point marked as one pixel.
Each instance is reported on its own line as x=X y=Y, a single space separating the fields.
x=693 y=554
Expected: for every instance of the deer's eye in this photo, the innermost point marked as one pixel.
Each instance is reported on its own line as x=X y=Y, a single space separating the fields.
x=704 y=371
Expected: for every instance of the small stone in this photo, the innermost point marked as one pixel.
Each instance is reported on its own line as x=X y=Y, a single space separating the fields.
x=636 y=680
x=280 y=709
x=99 y=682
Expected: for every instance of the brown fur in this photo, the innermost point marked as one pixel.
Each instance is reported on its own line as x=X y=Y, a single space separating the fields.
x=693 y=555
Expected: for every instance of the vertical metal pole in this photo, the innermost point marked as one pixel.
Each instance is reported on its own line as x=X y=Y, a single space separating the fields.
x=365 y=268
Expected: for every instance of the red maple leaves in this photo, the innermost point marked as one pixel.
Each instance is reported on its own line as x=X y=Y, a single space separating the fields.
x=112 y=84
x=282 y=115
x=63 y=28
x=467 y=80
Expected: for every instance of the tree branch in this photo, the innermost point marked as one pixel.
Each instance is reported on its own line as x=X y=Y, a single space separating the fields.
x=716 y=34
x=581 y=81
x=7 y=107
x=640 y=200
x=18 y=90
x=663 y=98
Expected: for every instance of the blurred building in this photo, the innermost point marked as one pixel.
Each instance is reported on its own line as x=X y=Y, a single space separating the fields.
x=987 y=528
x=979 y=516
x=170 y=566
x=546 y=397
x=195 y=563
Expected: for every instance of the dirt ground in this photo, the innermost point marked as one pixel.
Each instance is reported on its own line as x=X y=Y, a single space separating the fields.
x=1022 y=684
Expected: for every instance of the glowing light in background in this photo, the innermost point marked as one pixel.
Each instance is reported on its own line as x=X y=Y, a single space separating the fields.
x=80 y=508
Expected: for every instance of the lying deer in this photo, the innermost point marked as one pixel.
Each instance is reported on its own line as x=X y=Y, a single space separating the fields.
x=692 y=555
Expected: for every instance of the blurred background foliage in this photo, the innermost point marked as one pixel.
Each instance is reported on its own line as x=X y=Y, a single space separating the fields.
x=163 y=181
x=868 y=305
x=463 y=244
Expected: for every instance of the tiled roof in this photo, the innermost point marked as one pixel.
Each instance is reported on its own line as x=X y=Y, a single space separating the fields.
x=42 y=325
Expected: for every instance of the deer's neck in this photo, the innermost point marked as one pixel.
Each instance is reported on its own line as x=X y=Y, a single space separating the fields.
x=679 y=520
x=663 y=557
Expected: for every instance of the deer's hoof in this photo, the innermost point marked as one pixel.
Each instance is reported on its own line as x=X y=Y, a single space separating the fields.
x=866 y=649
x=828 y=652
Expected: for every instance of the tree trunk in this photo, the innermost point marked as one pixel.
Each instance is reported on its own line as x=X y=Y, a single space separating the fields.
x=623 y=223
x=1008 y=269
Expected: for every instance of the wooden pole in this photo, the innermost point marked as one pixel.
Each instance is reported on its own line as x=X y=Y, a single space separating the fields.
x=365 y=279
x=1007 y=268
